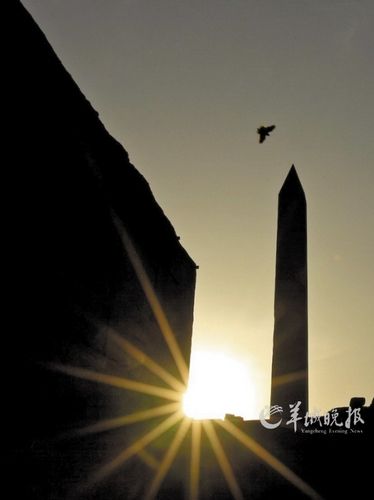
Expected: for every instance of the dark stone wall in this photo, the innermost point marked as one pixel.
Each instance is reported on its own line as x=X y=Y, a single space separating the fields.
x=72 y=190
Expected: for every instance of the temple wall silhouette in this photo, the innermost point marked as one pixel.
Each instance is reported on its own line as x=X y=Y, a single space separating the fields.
x=73 y=194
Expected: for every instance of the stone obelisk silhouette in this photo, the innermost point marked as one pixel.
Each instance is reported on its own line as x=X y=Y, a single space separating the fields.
x=290 y=346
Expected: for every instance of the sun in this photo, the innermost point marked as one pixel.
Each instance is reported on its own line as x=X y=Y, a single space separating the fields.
x=218 y=384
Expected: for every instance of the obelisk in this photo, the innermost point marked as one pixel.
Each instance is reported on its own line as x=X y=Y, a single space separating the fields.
x=290 y=345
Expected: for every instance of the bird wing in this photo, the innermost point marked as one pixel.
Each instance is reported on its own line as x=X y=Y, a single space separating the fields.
x=271 y=128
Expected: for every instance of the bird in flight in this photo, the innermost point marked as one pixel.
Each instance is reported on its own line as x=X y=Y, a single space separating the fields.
x=264 y=132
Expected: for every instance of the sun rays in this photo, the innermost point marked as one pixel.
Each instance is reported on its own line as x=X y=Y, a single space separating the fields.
x=168 y=418
x=143 y=359
x=152 y=299
x=183 y=427
x=107 y=469
x=223 y=460
x=115 y=381
x=140 y=416
x=269 y=459
x=195 y=459
x=168 y=459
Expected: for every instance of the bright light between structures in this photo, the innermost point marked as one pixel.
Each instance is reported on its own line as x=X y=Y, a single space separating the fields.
x=218 y=384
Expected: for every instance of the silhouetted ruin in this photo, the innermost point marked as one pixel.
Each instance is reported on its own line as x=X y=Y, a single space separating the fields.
x=77 y=203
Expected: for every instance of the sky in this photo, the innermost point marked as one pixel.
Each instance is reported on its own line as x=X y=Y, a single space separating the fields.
x=183 y=85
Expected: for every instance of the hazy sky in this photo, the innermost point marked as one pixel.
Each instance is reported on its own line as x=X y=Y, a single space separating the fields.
x=183 y=85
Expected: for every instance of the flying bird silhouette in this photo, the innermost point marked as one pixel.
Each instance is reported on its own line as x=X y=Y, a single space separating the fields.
x=264 y=132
